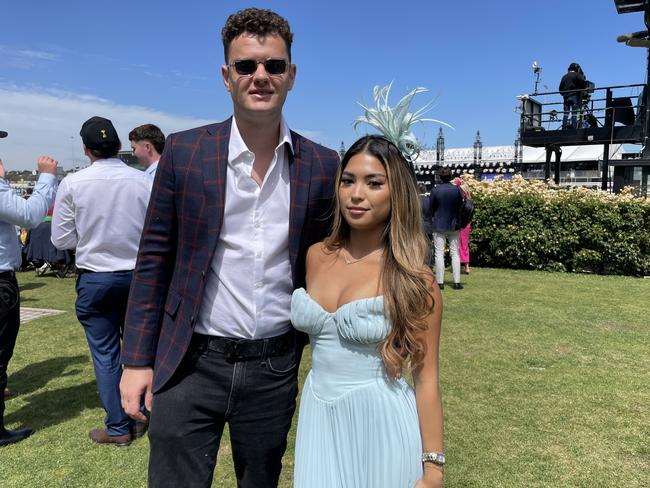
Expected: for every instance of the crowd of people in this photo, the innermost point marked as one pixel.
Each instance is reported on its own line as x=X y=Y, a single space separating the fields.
x=201 y=279
x=98 y=216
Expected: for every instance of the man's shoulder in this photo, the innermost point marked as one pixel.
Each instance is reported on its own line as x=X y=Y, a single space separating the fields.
x=324 y=161
x=445 y=189
x=77 y=175
x=190 y=136
x=307 y=145
x=135 y=173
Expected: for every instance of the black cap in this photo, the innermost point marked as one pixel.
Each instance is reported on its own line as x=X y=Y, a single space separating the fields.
x=3 y=134
x=99 y=133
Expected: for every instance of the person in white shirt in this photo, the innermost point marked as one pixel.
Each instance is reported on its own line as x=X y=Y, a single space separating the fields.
x=147 y=144
x=16 y=211
x=99 y=212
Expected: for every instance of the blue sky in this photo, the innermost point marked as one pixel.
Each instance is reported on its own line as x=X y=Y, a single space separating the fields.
x=139 y=62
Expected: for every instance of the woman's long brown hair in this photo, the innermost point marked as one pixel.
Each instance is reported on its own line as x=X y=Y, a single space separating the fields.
x=407 y=299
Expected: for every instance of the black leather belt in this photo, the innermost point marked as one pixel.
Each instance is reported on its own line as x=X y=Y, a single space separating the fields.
x=7 y=274
x=84 y=271
x=245 y=349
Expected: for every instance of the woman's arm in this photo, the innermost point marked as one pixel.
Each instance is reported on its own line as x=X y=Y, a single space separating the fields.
x=427 y=393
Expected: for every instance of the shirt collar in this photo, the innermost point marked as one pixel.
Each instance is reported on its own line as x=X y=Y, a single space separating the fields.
x=109 y=162
x=151 y=168
x=237 y=146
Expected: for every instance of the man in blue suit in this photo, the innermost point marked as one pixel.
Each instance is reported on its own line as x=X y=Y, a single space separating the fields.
x=233 y=210
x=445 y=202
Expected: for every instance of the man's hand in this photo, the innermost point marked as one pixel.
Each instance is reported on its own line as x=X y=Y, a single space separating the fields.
x=136 y=382
x=47 y=165
x=2 y=169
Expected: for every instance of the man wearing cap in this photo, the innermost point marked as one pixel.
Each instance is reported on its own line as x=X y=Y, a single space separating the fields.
x=99 y=212
x=16 y=211
x=147 y=144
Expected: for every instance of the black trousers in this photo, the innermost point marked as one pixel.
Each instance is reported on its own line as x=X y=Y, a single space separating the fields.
x=256 y=397
x=9 y=325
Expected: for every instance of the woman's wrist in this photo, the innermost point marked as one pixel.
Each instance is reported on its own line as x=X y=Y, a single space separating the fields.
x=433 y=475
x=433 y=467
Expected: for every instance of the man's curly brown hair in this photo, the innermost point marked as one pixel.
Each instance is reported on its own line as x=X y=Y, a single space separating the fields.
x=258 y=22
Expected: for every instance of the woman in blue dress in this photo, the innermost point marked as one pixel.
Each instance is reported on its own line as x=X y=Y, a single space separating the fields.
x=373 y=311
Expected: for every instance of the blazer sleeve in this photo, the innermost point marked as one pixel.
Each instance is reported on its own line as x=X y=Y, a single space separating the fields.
x=154 y=267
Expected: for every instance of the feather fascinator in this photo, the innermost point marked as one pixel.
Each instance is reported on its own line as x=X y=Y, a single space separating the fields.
x=395 y=123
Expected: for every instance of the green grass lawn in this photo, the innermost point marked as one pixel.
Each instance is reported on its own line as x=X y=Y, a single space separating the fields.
x=545 y=381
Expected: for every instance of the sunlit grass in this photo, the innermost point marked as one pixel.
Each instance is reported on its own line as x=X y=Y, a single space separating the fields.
x=544 y=376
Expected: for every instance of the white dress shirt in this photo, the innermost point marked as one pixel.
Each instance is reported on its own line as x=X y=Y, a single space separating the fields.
x=248 y=288
x=99 y=211
x=151 y=169
x=16 y=211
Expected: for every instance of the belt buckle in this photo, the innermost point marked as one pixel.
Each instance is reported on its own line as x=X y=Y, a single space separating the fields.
x=233 y=351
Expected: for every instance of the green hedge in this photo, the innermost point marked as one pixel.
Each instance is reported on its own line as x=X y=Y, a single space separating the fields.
x=527 y=225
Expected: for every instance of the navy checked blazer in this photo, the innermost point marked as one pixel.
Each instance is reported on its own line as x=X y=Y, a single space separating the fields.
x=180 y=237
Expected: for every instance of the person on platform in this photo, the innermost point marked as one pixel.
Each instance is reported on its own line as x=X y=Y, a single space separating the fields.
x=27 y=213
x=99 y=213
x=571 y=86
x=235 y=206
x=147 y=144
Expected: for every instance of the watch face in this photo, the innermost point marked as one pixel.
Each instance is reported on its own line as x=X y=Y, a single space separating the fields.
x=434 y=457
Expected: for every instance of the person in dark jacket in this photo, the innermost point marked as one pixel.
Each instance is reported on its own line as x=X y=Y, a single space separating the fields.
x=570 y=86
x=426 y=219
x=444 y=204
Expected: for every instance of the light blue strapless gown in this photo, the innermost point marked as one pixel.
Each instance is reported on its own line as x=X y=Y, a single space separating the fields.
x=355 y=428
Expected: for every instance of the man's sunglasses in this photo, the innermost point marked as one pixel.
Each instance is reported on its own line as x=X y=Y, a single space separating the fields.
x=247 y=67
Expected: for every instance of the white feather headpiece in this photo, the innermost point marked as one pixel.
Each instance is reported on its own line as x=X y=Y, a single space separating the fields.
x=395 y=123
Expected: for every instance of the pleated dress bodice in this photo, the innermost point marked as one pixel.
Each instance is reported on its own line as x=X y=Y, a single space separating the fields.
x=344 y=343
x=356 y=428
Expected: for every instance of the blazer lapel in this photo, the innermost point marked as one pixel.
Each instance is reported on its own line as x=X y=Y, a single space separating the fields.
x=213 y=158
x=300 y=177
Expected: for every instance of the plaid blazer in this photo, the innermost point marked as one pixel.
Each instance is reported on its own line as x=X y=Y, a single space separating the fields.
x=180 y=235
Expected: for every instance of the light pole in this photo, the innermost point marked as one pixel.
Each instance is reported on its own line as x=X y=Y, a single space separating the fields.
x=537 y=71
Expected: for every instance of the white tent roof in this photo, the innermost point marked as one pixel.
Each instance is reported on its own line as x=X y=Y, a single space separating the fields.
x=530 y=154
x=573 y=153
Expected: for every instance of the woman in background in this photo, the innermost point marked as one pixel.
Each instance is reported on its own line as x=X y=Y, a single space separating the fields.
x=463 y=236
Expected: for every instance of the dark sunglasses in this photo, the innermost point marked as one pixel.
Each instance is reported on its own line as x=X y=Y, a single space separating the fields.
x=247 y=67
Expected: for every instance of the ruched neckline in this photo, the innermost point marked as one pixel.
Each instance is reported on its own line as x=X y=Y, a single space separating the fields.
x=348 y=406
x=361 y=320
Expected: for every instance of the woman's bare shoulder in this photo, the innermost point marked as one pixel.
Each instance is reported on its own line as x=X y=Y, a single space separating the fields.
x=319 y=252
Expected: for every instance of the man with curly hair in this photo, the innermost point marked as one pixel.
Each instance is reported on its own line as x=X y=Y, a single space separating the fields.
x=235 y=206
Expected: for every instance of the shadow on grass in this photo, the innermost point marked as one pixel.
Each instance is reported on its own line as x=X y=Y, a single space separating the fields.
x=51 y=407
x=30 y=286
x=34 y=376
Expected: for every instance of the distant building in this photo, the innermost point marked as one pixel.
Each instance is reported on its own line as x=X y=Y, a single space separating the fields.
x=580 y=165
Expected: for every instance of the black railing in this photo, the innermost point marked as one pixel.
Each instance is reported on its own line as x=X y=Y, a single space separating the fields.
x=592 y=112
